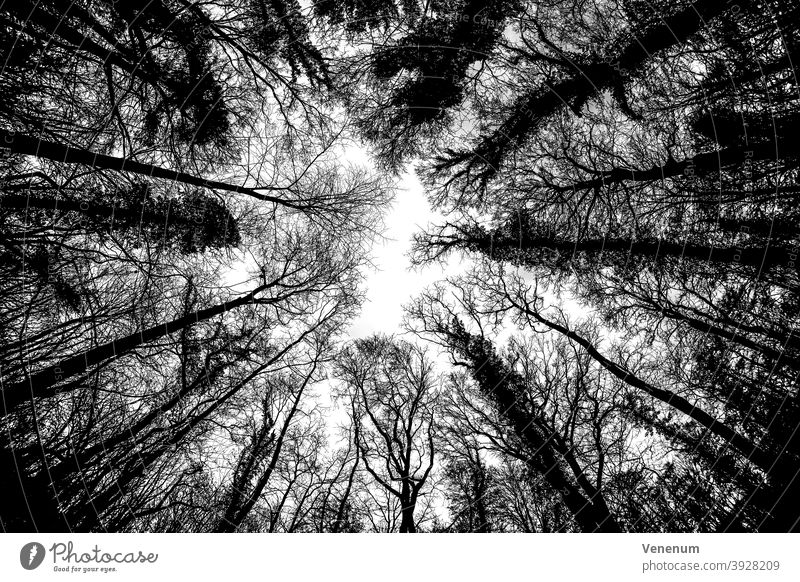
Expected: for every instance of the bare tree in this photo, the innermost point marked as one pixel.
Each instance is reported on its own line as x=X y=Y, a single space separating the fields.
x=392 y=387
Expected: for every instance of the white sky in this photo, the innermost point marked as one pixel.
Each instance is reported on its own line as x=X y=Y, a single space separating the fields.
x=392 y=283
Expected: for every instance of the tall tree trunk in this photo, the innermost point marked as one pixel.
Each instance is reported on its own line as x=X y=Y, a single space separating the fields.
x=40 y=384
x=701 y=164
x=738 y=442
x=588 y=80
x=243 y=501
x=92 y=210
x=407 y=507
x=481 y=490
x=513 y=245
x=23 y=144
x=502 y=385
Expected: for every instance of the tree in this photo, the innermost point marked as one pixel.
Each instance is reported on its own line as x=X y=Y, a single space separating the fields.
x=499 y=384
x=392 y=386
x=735 y=419
x=260 y=456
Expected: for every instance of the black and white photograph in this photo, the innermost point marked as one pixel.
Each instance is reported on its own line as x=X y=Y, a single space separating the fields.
x=398 y=266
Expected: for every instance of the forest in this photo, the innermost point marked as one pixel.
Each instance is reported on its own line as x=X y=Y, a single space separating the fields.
x=191 y=195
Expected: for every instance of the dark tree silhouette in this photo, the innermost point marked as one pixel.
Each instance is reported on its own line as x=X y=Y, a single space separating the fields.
x=186 y=236
x=392 y=387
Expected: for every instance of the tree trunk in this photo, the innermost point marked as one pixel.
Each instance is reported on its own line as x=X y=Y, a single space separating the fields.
x=23 y=144
x=760 y=257
x=407 y=506
x=501 y=385
x=701 y=164
x=588 y=80
x=744 y=446
x=40 y=384
x=91 y=210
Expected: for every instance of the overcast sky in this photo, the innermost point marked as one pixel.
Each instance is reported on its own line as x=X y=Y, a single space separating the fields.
x=392 y=284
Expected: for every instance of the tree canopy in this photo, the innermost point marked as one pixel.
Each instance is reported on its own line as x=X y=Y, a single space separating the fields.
x=186 y=238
